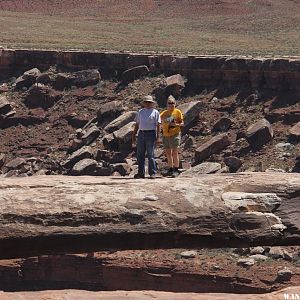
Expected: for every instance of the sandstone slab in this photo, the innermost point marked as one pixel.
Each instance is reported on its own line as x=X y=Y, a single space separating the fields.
x=134 y=73
x=5 y=106
x=84 y=167
x=120 y=121
x=190 y=111
x=203 y=168
x=49 y=214
x=295 y=131
x=28 y=78
x=214 y=145
x=259 y=133
x=110 y=110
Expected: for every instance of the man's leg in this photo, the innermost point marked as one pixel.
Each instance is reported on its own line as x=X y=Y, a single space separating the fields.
x=150 y=145
x=140 y=153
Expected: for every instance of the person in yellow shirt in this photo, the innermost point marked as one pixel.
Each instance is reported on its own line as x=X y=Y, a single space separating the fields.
x=172 y=121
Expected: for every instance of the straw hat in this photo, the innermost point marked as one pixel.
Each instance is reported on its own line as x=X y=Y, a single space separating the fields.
x=148 y=98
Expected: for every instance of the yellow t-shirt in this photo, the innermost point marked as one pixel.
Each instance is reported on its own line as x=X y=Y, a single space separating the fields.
x=166 y=119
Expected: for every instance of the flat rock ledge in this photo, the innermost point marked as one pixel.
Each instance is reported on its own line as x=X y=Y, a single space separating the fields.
x=288 y=293
x=60 y=214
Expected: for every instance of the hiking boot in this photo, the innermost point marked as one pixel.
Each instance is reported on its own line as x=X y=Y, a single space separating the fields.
x=138 y=176
x=175 y=173
x=152 y=176
x=170 y=172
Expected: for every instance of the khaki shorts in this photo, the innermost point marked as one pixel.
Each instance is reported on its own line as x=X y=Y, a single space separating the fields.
x=171 y=142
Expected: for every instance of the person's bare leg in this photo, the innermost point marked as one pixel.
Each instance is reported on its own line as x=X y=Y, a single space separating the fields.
x=169 y=158
x=175 y=157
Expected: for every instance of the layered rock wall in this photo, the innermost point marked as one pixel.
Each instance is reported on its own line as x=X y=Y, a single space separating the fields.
x=203 y=71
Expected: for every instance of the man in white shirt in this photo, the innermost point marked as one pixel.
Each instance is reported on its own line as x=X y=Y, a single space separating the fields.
x=147 y=125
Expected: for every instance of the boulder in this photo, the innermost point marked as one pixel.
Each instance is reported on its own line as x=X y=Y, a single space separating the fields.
x=90 y=135
x=62 y=81
x=287 y=255
x=28 y=78
x=121 y=121
x=226 y=105
x=5 y=106
x=11 y=173
x=41 y=96
x=122 y=168
x=84 y=152
x=123 y=136
x=112 y=157
x=284 y=146
x=286 y=115
x=190 y=112
x=105 y=213
x=257 y=250
x=77 y=120
x=188 y=254
x=258 y=257
x=80 y=79
x=296 y=167
x=276 y=252
x=109 y=142
x=109 y=110
x=285 y=275
x=86 y=166
x=204 y=168
x=86 y=78
x=103 y=170
x=134 y=73
x=213 y=146
x=222 y=124
x=234 y=163
x=246 y=262
x=43 y=78
x=174 y=85
x=259 y=134
x=295 y=132
x=4 y=88
x=15 y=163
x=2 y=159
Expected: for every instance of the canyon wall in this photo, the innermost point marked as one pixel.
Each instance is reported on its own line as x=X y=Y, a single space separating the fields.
x=203 y=71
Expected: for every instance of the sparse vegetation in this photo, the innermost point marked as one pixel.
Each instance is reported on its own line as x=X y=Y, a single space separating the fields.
x=203 y=27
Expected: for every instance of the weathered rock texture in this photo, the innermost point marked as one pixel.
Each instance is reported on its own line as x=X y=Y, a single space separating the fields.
x=274 y=74
x=51 y=214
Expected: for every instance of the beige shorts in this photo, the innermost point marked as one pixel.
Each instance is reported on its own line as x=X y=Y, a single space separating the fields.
x=171 y=142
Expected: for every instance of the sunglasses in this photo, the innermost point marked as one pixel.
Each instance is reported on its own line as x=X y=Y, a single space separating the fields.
x=171 y=103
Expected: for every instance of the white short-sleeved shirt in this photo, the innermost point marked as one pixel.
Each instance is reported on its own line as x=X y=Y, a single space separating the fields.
x=148 y=118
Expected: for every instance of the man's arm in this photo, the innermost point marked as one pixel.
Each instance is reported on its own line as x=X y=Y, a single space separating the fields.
x=135 y=129
x=158 y=129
